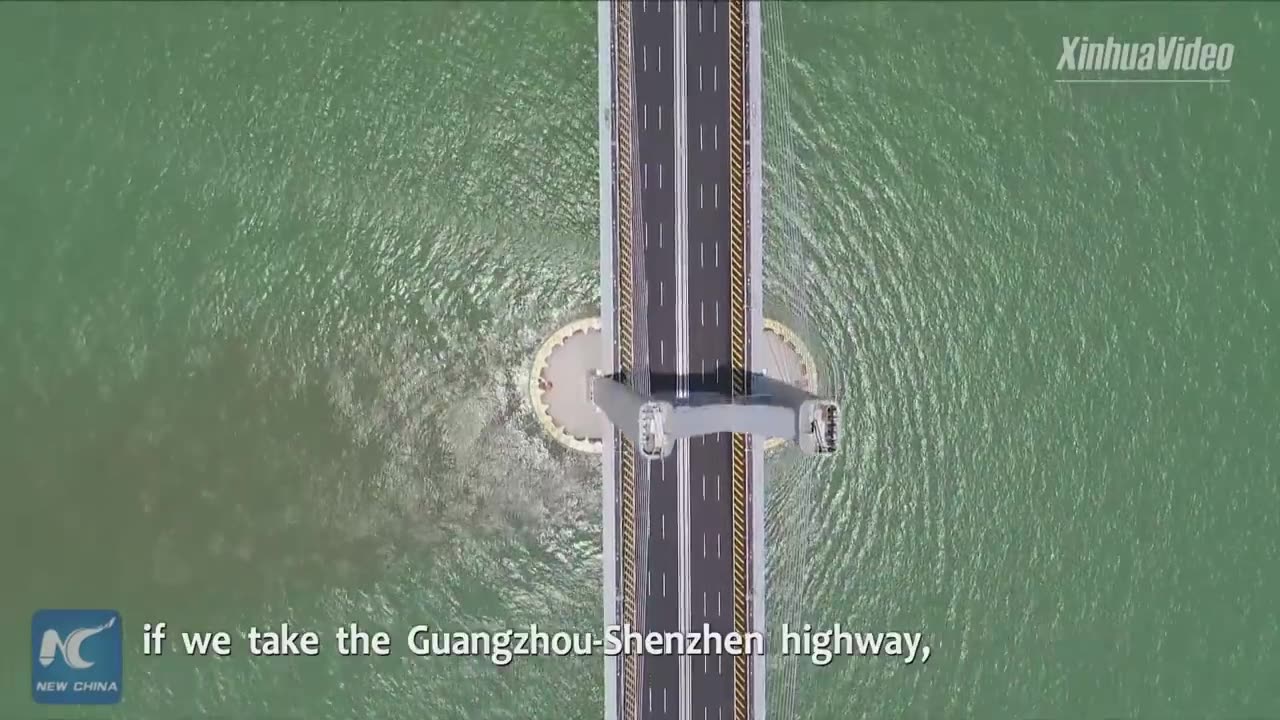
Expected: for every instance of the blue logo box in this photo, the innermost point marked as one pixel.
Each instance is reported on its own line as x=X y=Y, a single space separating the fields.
x=77 y=657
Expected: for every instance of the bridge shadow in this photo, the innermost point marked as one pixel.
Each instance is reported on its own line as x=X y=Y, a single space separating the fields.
x=717 y=381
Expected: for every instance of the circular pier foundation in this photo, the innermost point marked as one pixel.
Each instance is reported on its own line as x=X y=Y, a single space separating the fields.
x=562 y=365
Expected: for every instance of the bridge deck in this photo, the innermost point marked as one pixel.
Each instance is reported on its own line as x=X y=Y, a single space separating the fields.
x=680 y=266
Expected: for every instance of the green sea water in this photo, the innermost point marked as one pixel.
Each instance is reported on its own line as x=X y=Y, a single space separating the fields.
x=271 y=277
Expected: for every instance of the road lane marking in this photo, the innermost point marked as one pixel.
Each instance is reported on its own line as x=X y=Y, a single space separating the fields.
x=646 y=175
x=717 y=478
x=659 y=58
x=718 y=554
x=661 y=293
x=664 y=526
x=644 y=58
x=662 y=351
x=645 y=121
x=660 y=173
x=717 y=248
x=716 y=189
x=660 y=234
x=659 y=117
x=664 y=584
x=700 y=144
x=699 y=78
x=715 y=139
x=701 y=204
x=702 y=314
x=717 y=311
x=704 y=602
x=704 y=487
x=704 y=545
x=702 y=254
x=680 y=73
x=715 y=76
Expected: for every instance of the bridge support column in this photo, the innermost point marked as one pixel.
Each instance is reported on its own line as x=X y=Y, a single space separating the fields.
x=775 y=410
x=641 y=418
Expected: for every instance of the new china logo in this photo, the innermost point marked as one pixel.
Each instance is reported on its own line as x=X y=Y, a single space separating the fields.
x=76 y=657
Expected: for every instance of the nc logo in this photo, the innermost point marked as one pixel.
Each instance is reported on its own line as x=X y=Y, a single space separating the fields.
x=77 y=657
x=69 y=646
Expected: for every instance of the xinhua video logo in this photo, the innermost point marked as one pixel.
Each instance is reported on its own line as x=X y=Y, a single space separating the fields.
x=77 y=657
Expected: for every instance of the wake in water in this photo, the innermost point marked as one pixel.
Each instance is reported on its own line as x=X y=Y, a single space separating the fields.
x=789 y=292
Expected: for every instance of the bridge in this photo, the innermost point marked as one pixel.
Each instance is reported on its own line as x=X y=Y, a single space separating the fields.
x=681 y=382
x=681 y=231
x=676 y=159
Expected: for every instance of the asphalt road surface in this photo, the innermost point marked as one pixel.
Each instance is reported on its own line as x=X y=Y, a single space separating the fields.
x=705 y=205
x=653 y=41
x=710 y=457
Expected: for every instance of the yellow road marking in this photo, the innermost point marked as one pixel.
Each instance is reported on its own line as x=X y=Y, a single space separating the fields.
x=737 y=336
x=624 y=278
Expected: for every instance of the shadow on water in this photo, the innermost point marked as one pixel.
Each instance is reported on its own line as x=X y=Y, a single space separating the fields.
x=211 y=482
x=227 y=481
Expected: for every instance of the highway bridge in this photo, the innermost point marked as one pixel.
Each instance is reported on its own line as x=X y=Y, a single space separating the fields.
x=680 y=235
